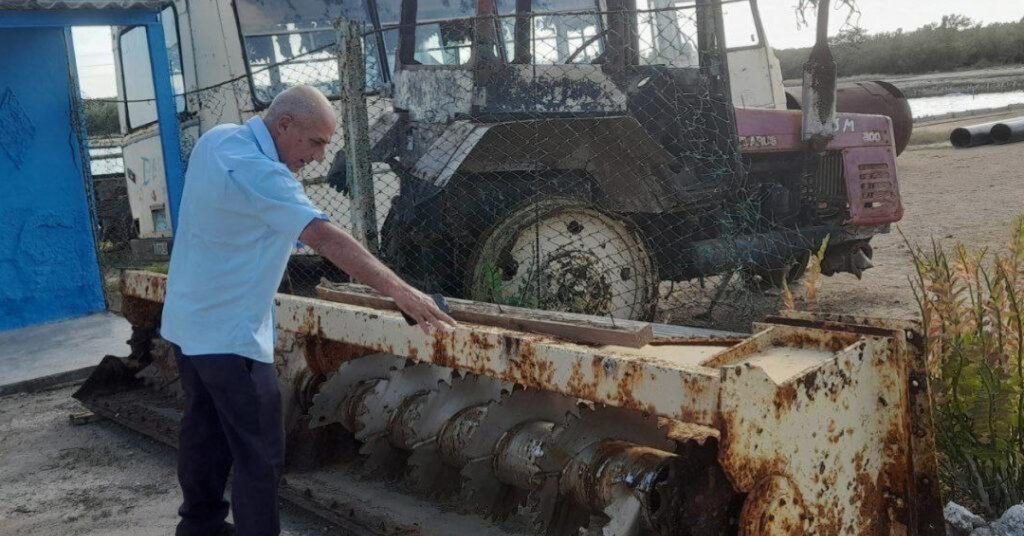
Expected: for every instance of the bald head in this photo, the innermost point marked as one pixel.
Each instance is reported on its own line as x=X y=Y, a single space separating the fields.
x=301 y=121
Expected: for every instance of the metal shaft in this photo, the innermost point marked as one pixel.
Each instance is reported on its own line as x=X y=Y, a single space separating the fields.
x=517 y=452
x=610 y=469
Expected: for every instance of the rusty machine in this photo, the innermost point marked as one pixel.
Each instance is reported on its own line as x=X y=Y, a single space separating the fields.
x=532 y=422
x=525 y=421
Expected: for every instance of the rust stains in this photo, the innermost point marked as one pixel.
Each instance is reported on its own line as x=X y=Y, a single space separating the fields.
x=630 y=379
x=578 y=385
x=141 y=313
x=775 y=507
x=480 y=342
x=324 y=356
x=785 y=398
x=527 y=369
x=441 y=354
x=832 y=341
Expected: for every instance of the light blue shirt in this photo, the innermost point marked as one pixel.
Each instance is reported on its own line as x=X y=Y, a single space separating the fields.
x=241 y=214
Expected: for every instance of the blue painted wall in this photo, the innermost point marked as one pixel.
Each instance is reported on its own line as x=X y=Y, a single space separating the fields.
x=48 y=267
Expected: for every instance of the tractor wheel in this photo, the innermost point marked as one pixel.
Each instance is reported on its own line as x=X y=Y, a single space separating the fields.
x=564 y=254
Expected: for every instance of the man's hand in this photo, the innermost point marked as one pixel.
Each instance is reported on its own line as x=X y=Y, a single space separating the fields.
x=348 y=254
x=422 y=309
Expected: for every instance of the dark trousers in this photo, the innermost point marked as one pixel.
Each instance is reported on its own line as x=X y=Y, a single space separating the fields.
x=232 y=420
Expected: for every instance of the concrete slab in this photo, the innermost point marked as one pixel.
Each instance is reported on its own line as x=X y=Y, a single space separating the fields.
x=60 y=347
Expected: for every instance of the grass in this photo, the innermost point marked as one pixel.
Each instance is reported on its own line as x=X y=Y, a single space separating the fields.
x=929 y=136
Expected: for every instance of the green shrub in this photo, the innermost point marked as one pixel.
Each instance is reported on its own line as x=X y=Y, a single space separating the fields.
x=972 y=307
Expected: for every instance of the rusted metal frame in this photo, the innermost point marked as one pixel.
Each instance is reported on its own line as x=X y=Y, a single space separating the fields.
x=516 y=318
x=924 y=492
x=616 y=377
x=835 y=433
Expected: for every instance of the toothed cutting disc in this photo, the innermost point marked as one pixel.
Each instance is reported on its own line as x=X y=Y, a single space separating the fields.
x=602 y=423
x=482 y=491
x=427 y=470
x=380 y=460
x=388 y=396
x=554 y=514
x=443 y=404
x=624 y=516
x=328 y=402
x=519 y=407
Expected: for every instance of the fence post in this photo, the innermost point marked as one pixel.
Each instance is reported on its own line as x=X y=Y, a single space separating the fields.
x=355 y=122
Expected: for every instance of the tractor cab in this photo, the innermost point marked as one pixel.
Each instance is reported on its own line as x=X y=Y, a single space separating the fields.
x=552 y=84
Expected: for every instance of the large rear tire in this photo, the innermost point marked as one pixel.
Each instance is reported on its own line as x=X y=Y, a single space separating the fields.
x=565 y=254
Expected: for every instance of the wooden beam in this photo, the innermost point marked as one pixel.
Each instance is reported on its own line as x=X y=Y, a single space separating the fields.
x=567 y=326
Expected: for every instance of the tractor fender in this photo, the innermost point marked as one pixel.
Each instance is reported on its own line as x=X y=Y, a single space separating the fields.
x=633 y=178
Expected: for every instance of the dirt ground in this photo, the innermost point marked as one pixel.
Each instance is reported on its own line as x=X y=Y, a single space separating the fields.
x=94 y=479
x=967 y=195
x=101 y=479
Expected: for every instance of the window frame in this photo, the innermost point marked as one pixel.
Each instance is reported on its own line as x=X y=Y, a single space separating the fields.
x=373 y=18
x=755 y=13
x=120 y=58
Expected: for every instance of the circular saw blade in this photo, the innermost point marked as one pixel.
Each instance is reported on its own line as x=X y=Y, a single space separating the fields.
x=328 y=402
x=579 y=431
x=482 y=491
x=427 y=474
x=428 y=471
x=519 y=407
x=388 y=396
x=445 y=403
x=555 y=514
x=624 y=517
x=380 y=460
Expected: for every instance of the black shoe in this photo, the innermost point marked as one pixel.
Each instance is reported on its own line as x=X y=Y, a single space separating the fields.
x=227 y=530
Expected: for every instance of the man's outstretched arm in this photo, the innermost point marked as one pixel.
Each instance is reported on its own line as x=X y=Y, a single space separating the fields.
x=348 y=254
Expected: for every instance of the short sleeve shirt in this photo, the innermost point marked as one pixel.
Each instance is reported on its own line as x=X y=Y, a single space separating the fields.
x=241 y=214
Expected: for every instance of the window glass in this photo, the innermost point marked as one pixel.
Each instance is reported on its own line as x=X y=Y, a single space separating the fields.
x=292 y=43
x=740 y=27
x=668 y=33
x=138 y=75
x=559 y=32
x=444 y=31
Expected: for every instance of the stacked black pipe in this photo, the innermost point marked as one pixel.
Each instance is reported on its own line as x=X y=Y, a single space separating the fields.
x=1007 y=131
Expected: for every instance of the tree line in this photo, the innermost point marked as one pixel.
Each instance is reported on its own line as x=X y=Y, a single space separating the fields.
x=957 y=42
x=101 y=117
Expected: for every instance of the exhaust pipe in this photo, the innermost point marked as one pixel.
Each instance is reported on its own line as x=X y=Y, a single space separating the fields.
x=1010 y=131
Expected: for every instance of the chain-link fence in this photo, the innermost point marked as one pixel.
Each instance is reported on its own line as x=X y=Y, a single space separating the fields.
x=583 y=160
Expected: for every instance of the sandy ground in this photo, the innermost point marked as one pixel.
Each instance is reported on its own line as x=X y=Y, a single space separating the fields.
x=101 y=479
x=93 y=479
x=968 y=195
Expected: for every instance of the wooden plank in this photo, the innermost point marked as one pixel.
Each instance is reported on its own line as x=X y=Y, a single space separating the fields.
x=569 y=327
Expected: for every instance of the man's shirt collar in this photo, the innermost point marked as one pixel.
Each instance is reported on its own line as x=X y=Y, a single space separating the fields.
x=263 y=137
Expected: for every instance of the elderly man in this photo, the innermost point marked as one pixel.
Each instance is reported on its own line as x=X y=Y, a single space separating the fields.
x=242 y=212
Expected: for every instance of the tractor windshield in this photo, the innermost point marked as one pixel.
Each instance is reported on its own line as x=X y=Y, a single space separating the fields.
x=444 y=31
x=561 y=31
x=289 y=43
x=667 y=32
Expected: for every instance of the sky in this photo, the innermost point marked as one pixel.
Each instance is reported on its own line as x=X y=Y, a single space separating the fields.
x=96 y=64
x=876 y=16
